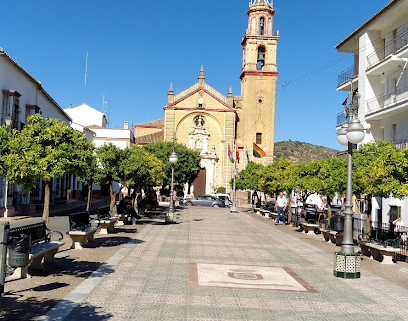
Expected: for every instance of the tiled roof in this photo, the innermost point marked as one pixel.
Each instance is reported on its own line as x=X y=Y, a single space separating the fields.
x=149 y=139
x=159 y=123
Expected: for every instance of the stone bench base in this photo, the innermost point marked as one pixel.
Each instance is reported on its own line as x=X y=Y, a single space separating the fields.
x=273 y=215
x=107 y=225
x=42 y=252
x=265 y=213
x=309 y=227
x=80 y=238
x=378 y=252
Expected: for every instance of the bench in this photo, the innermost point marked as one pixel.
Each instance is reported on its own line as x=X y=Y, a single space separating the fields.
x=264 y=212
x=81 y=231
x=379 y=252
x=105 y=221
x=336 y=237
x=310 y=227
x=42 y=248
x=326 y=234
x=257 y=210
x=273 y=215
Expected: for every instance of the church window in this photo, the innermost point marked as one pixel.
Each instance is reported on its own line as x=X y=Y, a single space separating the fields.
x=258 y=138
x=261 y=26
x=261 y=58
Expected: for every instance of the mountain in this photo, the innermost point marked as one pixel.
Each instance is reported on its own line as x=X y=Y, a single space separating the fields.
x=302 y=152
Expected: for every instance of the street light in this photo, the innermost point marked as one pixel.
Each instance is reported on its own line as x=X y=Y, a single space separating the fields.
x=234 y=204
x=7 y=120
x=170 y=218
x=347 y=263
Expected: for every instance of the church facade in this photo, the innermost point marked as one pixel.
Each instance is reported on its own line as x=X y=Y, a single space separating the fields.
x=217 y=125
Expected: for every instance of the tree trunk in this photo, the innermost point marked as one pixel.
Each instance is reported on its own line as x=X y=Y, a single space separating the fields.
x=112 y=197
x=369 y=210
x=47 y=195
x=88 y=204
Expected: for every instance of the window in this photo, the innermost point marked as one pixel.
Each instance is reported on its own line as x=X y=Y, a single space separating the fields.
x=261 y=58
x=261 y=26
x=10 y=107
x=258 y=138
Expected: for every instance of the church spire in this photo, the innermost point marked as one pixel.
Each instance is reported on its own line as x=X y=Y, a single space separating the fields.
x=261 y=2
x=170 y=95
x=201 y=77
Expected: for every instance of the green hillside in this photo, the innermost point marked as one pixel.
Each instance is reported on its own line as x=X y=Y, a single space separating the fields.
x=302 y=152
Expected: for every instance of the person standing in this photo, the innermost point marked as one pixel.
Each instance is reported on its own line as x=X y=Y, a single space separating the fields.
x=280 y=207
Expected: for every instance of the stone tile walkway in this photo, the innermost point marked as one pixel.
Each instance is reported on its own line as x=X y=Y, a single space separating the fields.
x=215 y=265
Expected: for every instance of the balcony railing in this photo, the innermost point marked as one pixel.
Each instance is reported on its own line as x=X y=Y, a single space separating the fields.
x=401 y=143
x=391 y=48
x=346 y=75
x=388 y=99
x=340 y=119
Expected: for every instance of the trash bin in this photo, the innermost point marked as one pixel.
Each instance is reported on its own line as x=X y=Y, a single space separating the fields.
x=19 y=249
x=339 y=223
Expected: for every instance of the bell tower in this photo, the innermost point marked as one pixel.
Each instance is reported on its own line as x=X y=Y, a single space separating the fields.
x=258 y=79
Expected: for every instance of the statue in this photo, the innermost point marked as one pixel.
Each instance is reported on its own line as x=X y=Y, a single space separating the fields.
x=199 y=121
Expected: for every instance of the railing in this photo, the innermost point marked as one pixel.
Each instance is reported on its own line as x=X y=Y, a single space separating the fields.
x=390 y=48
x=340 y=119
x=346 y=75
x=401 y=143
x=387 y=99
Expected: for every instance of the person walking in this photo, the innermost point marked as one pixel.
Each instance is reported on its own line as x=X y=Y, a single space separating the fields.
x=280 y=207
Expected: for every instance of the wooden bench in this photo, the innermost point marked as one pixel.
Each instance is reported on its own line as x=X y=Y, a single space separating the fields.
x=81 y=231
x=105 y=221
x=42 y=248
x=310 y=227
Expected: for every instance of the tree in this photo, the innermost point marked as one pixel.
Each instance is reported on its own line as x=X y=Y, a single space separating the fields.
x=306 y=179
x=277 y=177
x=141 y=168
x=248 y=179
x=4 y=149
x=87 y=171
x=187 y=167
x=109 y=168
x=45 y=148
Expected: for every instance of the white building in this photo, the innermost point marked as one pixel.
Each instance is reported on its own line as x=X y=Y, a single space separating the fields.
x=22 y=95
x=95 y=125
x=380 y=49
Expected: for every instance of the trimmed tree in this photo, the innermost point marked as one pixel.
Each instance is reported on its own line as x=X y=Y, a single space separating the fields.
x=45 y=148
x=187 y=167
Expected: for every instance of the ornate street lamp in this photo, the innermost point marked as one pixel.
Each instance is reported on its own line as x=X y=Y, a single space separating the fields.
x=347 y=262
x=7 y=120
x=170 y=217
x=234 y=204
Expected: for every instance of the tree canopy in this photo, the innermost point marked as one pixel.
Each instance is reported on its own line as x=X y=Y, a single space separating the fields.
x=187 y=167
x=249 y=177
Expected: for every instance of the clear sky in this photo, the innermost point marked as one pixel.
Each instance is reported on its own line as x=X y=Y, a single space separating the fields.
x=136 y=48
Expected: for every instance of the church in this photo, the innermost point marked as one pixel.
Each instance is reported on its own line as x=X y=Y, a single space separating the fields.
x=221 y=127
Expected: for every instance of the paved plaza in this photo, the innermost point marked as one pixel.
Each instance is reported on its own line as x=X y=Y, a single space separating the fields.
x=215 y=265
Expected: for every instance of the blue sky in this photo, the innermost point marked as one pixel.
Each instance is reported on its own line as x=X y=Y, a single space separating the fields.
x=136 y=48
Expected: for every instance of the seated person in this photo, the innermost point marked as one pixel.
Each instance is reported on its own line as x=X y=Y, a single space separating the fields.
x=399 y=225
x=125 y=207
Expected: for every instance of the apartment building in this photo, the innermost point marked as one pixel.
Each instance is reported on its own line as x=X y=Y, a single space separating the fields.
x=379 y=73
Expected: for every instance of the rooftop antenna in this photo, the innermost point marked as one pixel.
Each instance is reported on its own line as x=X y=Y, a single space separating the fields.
x=86 y=73
x=104 y=102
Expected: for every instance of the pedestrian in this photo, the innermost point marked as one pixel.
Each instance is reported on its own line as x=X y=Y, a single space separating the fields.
x=174 y=199
x=280 y=207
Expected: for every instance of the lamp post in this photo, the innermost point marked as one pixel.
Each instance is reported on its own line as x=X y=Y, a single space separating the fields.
x=234 y=202
x=170 y=218
x=7 y=120
x=347 y=262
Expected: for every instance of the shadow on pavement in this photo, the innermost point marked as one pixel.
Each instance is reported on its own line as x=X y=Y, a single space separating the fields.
x=15 y=308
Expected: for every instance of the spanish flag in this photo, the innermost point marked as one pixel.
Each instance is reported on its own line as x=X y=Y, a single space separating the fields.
x=258 y=152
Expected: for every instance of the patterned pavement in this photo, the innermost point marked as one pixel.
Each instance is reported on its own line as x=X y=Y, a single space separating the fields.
x=215 y=265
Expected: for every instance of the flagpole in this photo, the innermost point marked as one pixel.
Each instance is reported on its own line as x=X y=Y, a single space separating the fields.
x=226 y=171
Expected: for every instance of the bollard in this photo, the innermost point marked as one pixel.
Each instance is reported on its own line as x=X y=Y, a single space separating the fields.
x=3 y=266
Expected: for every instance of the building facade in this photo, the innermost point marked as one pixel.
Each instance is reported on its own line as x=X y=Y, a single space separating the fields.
x=219 y=125
x=379 y=75
x=22 y=96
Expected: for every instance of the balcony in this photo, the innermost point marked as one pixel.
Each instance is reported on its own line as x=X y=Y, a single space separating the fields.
x=393 y=47
x=401 y=143
x=387 y=100
x=340 y=119
x=347 y=75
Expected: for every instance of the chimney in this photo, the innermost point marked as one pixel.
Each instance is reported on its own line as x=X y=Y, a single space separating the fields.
x=126 y=125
